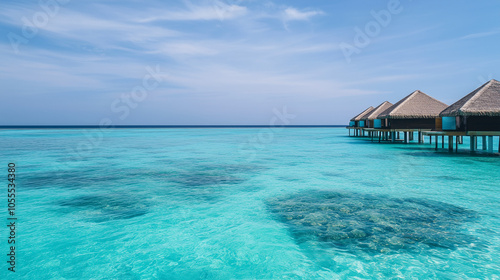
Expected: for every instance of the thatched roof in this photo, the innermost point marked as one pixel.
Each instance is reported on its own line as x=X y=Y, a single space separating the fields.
x=362 y=114
x=484 y=101
x=415 y=105
x=377 y=111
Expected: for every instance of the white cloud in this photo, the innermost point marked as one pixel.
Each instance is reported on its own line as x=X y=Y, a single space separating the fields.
x=184 y=48
x=294 y=14
x=480 y=35
x=103 y=33
x=218 y=10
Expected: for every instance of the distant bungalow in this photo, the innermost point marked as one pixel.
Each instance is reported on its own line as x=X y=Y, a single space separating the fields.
x=356 y=123
x=371 y=120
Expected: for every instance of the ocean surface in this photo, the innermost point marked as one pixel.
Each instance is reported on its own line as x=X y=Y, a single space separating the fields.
x=247 y=203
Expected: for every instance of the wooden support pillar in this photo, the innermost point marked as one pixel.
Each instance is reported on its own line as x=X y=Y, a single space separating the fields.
x=456 y=143
x=442 y=141
x=484 y=143
x=411 y=135
x=436 y=141
x=405 y=137
x=419 y=137
x=472 y=143
x=430 y=139
x=393 y=136
x=490 y=144
x=450 y=143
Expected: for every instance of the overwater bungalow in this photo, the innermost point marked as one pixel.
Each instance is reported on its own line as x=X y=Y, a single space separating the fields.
x=477 y=111
x=356 y=123
x=476 y=114
x=416 y=111
x=371 y=120
x=355 y=120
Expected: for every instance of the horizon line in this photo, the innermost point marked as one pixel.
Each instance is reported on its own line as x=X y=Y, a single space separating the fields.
x=156 y=126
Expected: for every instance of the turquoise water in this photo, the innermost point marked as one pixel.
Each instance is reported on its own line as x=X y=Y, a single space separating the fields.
x=296 y=203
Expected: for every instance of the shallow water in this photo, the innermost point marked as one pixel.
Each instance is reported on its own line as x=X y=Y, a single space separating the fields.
x=301 y=203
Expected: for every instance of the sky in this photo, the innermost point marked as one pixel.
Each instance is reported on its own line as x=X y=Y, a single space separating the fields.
x=230 y=62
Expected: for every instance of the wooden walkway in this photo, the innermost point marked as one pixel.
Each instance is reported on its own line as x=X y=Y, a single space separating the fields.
x=454 y=137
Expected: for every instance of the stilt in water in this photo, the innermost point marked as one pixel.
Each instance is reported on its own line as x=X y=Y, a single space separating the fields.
x=490 y=144
x=484 y=143
x=442 y=141
x=450 y=143
x=472 y=143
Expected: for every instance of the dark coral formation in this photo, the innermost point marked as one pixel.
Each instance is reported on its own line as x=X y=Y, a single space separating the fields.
x=372 y=223
x=101 y=208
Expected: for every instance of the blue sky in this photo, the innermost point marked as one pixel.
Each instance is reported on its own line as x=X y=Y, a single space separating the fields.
x=234 y=61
